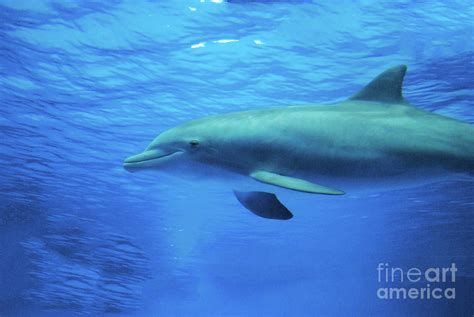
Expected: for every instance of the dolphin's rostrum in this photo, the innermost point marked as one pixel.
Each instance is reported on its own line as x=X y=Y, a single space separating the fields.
x=373 y=140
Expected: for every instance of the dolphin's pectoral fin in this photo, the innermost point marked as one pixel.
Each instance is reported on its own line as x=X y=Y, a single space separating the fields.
x=294 y=183
x=386 y=87
x=263 y=204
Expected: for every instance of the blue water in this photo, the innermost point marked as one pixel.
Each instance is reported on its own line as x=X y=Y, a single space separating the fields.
x=84 y=84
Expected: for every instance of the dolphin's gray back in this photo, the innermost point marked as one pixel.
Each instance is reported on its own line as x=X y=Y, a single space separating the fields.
x=355 y=138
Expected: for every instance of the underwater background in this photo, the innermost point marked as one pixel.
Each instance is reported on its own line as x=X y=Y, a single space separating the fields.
x=84 y=84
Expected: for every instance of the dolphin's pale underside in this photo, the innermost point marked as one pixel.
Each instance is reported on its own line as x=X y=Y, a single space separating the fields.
x=372 y=140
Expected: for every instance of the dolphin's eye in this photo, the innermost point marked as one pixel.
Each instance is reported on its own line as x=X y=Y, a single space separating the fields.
x=194 y=143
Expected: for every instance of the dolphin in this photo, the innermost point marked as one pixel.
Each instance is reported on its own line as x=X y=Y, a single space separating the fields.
x=373 y=140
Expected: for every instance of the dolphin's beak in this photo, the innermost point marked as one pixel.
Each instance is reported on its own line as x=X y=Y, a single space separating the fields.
x=147 y=159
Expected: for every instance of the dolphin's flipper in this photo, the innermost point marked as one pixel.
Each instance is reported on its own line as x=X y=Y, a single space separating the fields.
x=263 y=204
x=386 y=87
x=293 y=183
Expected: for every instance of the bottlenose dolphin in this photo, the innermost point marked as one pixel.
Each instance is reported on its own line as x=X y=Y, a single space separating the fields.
x=373 y=140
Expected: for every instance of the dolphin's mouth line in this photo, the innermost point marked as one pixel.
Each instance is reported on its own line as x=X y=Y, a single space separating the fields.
x=154 y=158
x=138 y=161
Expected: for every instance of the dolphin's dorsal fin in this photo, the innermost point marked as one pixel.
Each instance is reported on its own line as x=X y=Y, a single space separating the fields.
x=386 y=87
